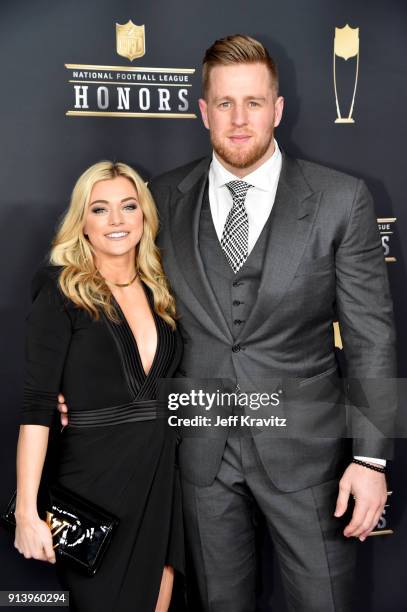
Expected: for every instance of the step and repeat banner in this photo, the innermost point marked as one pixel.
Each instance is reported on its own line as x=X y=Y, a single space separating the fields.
x=89 y=80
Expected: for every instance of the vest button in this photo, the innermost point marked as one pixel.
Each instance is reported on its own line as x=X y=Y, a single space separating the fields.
x=237 y=321
x=236 y=348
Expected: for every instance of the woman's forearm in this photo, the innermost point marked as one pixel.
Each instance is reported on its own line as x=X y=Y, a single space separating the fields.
x=31 y=451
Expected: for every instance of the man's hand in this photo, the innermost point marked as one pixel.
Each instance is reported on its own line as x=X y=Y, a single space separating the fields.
x=63 y=409
x=370 y=492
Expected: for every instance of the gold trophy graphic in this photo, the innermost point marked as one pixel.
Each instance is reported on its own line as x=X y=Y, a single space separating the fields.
x=346 y=45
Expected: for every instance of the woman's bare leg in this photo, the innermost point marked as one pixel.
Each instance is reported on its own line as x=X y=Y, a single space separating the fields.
x=164 y=596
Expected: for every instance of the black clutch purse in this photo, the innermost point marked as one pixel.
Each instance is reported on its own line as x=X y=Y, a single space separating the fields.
x=81 y=531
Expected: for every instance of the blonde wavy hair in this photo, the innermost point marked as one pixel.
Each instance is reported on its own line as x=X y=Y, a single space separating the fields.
x=79 y=279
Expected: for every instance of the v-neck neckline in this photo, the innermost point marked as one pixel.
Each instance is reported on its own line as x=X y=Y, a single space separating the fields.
x=130 y=331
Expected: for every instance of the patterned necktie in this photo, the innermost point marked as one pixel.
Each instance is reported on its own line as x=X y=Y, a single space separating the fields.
x=235 y=236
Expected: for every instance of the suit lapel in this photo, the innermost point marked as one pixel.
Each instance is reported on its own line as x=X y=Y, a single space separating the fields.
x=184 y=231
x=293 y=214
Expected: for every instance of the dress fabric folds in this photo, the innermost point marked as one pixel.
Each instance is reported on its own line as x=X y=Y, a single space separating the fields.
x=118 y=450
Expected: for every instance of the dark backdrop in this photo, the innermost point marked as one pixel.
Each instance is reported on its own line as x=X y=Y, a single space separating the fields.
x=43 y=152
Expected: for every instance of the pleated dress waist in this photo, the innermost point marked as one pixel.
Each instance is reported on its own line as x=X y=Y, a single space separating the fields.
x=137 y=410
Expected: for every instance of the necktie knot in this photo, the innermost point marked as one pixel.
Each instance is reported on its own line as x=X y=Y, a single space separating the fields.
x=238 y=189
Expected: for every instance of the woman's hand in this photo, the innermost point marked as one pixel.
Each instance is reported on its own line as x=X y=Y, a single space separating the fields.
x=33 y=539
x=63 y=409
x=33 y=536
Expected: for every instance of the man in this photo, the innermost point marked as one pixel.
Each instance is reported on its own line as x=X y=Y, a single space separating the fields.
x=263 y=253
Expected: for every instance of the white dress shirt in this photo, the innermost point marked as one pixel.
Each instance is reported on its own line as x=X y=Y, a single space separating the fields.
x=259 y=203
x=259 y=199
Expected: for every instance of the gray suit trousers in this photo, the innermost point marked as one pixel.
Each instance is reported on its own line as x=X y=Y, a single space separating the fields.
x=317 y=562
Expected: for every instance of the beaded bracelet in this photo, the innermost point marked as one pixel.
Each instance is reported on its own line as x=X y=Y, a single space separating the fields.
x=376 y=468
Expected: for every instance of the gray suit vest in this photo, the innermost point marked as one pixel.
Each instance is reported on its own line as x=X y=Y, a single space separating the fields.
x=236 y=293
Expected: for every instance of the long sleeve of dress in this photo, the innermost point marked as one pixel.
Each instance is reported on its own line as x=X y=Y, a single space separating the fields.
x=48 y=335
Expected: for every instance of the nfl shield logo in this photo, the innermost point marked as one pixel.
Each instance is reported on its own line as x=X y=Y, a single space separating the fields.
x=130 y=40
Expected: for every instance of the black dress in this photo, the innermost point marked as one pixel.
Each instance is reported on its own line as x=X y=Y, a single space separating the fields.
x=114 y=452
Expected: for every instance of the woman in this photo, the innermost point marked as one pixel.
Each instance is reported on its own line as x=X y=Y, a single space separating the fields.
x=102 y=331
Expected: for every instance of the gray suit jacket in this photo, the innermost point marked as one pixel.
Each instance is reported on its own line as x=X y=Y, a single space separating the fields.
x=324 y=262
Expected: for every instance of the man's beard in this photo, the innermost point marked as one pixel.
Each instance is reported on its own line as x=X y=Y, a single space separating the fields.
x=243 y=158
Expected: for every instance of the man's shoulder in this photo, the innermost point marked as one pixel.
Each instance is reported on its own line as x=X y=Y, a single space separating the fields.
x=324 y=178
x=173 y=177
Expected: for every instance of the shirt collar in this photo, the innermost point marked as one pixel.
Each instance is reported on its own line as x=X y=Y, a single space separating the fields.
x=262 y=178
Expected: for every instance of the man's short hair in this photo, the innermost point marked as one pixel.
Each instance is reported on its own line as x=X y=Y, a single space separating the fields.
x=237 y=49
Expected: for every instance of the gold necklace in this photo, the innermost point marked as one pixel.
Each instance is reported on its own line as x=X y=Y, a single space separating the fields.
x=121 y=284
